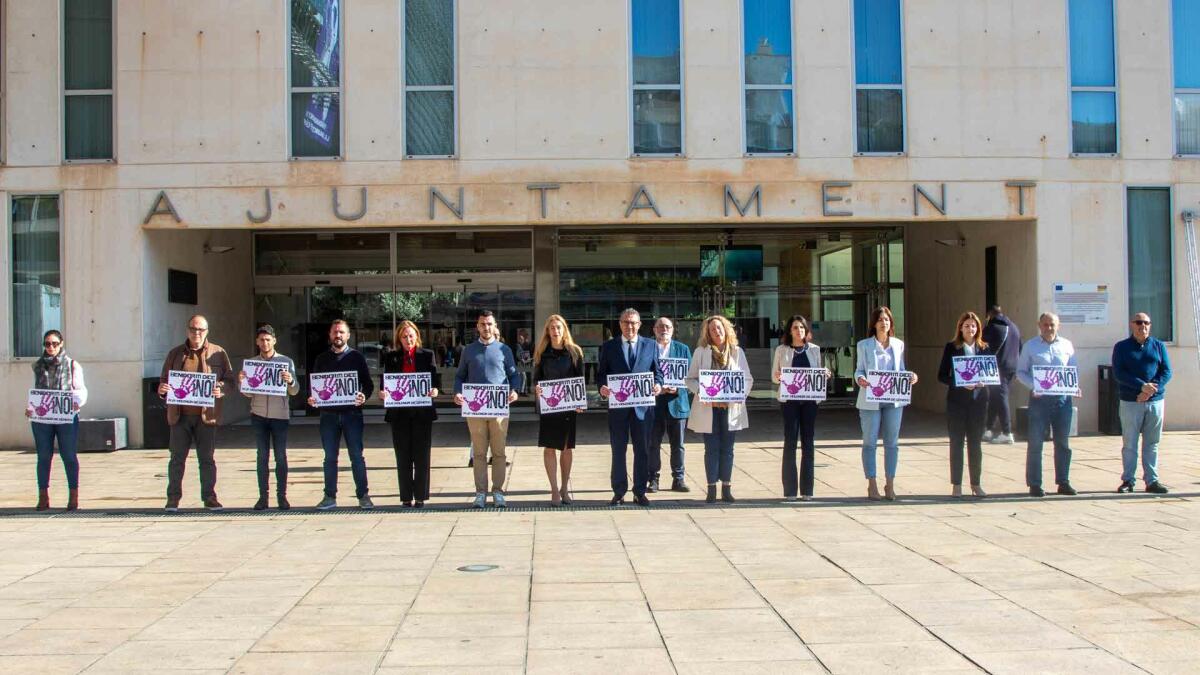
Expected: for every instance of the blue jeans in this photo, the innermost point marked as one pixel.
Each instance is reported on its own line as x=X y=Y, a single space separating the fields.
x=43 y=440
x=884 y=422
x=1054 y=413
x=270 y=432
x=333 y=426
x=1144 y=421
x=718 y=448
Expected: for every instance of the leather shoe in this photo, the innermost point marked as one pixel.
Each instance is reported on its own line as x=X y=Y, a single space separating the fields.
x=1126 y=486
x=1066 y=489
x=616 y=501
x=678 y=485
x=641 y=500
x=1037 y=492
x=1157 y=488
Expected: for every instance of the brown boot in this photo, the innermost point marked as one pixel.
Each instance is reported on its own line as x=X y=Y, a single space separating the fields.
x=43 y=499
x=73 y=499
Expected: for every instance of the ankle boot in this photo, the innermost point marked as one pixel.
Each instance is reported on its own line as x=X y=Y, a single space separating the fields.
x=872 y=490
x=711 y=497
x=43 y=499
x=73 y=499
x=727 y=493
x=261 y=504
x=283 y=502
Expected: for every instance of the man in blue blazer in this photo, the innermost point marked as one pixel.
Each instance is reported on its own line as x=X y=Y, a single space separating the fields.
x=629 y=353
x=670 y=411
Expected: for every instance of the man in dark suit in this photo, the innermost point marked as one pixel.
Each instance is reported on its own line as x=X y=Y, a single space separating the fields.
x=629 y=353
x=1004 y=339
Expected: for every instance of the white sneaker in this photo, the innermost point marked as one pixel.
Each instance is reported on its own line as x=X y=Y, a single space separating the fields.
x=987 y=436
x=498 y=500
x=480 y=500
x=1005 y=439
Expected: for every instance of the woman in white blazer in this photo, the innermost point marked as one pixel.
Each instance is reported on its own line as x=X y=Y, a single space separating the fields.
x=796 y=350
x=882 y=351
x=717 y=423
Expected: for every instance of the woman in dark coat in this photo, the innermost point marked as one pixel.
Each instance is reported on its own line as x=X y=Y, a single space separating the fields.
x=557 y=357
x=966 y=406
x=412 y=428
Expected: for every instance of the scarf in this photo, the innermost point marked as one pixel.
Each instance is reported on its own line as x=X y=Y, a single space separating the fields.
x=720 y=357
x=54 y=373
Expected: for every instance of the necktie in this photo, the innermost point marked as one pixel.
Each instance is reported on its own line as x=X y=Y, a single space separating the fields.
x=629 y=354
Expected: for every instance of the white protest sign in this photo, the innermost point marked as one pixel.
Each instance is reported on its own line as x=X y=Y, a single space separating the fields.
x=407 y=390
x=334 y=389
x=264 y=377
x=485 y=400
x=52 y=406
x=630 y=390
x=975 y=370
x=889 y=386
x=187 y=388
x=569 y=393
x=722 y=386
x=673 y=371
x=1055 y=380
x=802 y=384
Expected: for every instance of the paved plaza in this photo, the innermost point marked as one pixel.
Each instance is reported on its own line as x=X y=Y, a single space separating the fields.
x=1096 y=583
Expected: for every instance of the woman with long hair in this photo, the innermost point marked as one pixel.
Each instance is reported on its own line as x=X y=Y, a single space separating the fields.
x=966 y=406
x=796 y=350
x=412 y=428
x=718 y=423
x=557 y=357
x=57 y=371
x=882 y=350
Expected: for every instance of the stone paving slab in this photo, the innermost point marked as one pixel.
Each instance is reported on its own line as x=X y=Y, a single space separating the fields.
x=1098 y=583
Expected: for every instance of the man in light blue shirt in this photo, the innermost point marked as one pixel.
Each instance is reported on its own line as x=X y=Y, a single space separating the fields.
x=1053 y=411
x=487 y=361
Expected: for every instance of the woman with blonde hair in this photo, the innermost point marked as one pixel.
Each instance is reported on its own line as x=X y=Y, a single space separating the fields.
x=557 y=357
x=718 y=423
x=412 y=428
x=966 y=406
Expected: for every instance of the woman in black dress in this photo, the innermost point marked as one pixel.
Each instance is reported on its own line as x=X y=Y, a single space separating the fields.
x=557 y=357
x=412 y=428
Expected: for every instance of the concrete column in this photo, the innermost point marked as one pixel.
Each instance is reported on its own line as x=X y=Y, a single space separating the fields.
x=545 y=276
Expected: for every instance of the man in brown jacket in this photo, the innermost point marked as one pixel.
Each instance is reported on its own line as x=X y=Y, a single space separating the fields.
x=195 y=425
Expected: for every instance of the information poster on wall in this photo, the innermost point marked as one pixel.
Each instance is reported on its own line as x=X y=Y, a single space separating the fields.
x=1055 y=380
x=673 y=371
x=52 y=406
x=971 y=370
x=334 y=389
x=802 y=384
x=563 y=395
x=630 y=390
x=1081 y=303
x=722 y=386
x=889 y=386
x=485 y=400
x=194 y=389
x=407 y=390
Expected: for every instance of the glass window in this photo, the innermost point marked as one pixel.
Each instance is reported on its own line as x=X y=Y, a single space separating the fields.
x=878 y=77
x=767 y=45
x=1151 y=267
x=36 y=276
x=1093 y=77
x=321 y=254
x=316 y=78
x=657 y=78
x=87 y=80
x=429 y=78
x=1186 y=24
x=463 y=252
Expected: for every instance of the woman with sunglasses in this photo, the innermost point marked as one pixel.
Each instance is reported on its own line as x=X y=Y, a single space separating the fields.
x=57 y=371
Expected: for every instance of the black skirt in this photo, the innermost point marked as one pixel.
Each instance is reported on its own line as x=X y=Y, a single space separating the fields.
x=557 y=430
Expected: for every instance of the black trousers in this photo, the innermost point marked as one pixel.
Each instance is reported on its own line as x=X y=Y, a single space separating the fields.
x=188 y=431
x=964 y=422
x=799 y=422
x=412 y=439
x=673 y=427
x=997 y=406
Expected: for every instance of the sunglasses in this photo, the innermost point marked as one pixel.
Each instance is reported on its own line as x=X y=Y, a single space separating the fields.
x=1139 y=322
x=50 y=343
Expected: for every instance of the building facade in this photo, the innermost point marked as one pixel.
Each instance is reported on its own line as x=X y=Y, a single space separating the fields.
x=295 y=161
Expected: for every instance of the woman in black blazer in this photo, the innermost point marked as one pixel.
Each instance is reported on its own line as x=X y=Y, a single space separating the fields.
x=412 y=428
x=966 y=406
